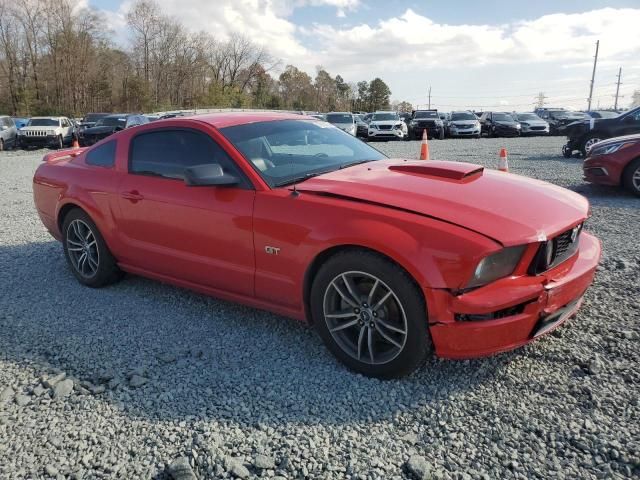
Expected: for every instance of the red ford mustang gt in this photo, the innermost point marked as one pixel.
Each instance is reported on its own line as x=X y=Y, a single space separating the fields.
x=388 y=259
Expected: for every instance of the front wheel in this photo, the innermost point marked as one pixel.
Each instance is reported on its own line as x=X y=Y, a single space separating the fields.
x=60 y=144
x=588 y=142
x=86 y=251
x=441 y=135
x=370 y=314
x=631 y=177
x=567 y=152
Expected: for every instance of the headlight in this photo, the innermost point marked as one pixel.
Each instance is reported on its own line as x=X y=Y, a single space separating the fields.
x=51 y=132
x=611 y=148
x=372 y=126
x=518 y=126
x=439 y=122
x=398 y=126
x=524 y=124
x=497 y=265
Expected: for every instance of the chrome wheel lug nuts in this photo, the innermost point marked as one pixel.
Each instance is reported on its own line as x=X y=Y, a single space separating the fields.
x=357 y=310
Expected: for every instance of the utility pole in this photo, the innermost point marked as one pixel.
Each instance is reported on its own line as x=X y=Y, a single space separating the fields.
x=593 y=75
x=615 y=105
x=429 y=98
x=540 y=99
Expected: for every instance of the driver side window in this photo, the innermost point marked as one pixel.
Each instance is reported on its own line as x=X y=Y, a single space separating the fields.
x=166 y=153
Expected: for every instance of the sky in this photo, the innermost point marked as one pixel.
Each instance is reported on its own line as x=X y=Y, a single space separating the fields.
x=476 y=55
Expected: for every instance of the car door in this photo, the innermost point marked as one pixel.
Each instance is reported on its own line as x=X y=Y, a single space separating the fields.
x=630 y=123
x=202 y=235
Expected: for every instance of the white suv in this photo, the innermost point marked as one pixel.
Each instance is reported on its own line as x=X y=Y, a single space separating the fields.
x=387 y=126
x=52 y=132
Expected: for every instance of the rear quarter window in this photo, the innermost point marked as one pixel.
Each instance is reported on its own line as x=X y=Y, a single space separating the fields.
x=103 y=155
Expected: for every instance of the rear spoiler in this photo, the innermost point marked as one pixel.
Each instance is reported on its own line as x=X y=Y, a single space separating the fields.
x=66 y=154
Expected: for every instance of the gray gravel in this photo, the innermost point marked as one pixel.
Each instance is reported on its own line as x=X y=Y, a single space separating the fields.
x=159 y=381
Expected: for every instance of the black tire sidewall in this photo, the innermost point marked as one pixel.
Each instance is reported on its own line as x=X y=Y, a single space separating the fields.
x=108 y=271
x=418 y=342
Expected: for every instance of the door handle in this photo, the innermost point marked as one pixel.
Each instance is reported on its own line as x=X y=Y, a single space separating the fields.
x=132 y=196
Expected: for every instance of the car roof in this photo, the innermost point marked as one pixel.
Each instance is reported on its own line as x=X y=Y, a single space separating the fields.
x=55 y=117
x=231 y=119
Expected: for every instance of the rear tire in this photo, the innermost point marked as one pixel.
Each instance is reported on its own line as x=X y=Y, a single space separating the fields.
x=1 y=145
x=86 y=252
x=441 y=135
x=370 y=314
x=60 y=142
x=631 y=177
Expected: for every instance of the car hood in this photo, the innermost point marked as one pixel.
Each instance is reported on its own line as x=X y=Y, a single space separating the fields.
x=626 y=138
x=535 y=123
x=99 y=130
x=343 y=126
x=52 y=127
x=507 y=124
x=507 y=208
x=463 y=122
x=387 y=122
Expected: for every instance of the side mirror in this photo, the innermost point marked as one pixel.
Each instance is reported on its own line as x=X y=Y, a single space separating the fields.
x=210 y=174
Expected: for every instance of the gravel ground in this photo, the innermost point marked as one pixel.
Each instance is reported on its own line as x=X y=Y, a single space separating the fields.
x=143 y=380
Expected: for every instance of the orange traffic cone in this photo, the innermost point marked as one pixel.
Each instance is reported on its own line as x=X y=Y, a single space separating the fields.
x=75 y=143
x=424 y=148
x=503 y=163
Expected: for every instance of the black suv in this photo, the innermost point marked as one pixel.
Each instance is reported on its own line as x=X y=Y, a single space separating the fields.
x=428 y=120
x=583 y=134
x=499 y=124
x=109 y=125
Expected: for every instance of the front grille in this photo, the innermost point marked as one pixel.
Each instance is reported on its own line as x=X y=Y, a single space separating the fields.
x=384 y=127
x=427 y=123
x=564 y=246
x=35 y=133
x=537 y=128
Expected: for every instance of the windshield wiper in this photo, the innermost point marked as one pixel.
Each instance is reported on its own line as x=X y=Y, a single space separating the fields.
x=302 y=178
x=347 y=165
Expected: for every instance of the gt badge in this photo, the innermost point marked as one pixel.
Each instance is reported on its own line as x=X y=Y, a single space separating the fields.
x=272 y=250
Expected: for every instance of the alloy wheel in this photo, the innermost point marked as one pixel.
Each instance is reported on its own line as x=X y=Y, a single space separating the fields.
x=83 y=248
x=590 y=143
x=365 y=317
x=635 y=179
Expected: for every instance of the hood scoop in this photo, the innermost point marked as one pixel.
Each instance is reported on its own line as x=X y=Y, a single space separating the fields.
x=456 y=171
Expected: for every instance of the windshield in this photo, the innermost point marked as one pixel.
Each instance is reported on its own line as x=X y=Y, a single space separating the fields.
x=502 y=117
x=528 y=116
x=43 y=122
x=339 y=118
x=287 y=151
x=463 y=116
x=111 y=122
x=426 y=115
x=93 y=117
x=604 y=114
x=382 y=117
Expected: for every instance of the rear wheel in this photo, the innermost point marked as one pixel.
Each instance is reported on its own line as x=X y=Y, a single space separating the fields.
x=631 y=177
x=60 y=142
x=370 y=314
x=86 y=251
x=1 y=145
x=441 y=135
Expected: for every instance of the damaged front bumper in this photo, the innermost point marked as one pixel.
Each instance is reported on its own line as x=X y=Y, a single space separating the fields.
x=513 y=311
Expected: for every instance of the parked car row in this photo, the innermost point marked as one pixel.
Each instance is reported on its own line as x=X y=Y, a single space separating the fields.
x=60 y=132
x=390 y=125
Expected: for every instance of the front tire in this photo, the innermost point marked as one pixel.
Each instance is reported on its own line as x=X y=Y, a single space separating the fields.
x=631 y=177
x=370 y=314
x=441 y=135
x=86 y=251
x=588 y=142
x=60 y=144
